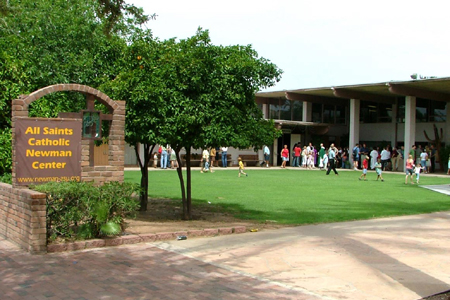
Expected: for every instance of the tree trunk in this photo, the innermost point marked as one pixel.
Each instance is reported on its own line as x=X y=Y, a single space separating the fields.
x=143 y=196
x=188 y=189
x=180 y=176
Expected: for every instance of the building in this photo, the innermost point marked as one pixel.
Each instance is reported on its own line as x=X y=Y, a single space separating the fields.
x=398 y=113
x=395 y=112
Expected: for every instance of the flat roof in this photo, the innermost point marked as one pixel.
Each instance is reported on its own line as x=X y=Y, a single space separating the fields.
x=434 y=89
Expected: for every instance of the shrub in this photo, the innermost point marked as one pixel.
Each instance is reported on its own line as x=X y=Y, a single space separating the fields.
x=6 y=178
x=5 y=151
x=80 y=210
x=444 y=154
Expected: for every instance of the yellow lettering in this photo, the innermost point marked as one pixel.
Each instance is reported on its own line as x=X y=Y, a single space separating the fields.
x=58 y=131
x=34 y=153
x=51 y=165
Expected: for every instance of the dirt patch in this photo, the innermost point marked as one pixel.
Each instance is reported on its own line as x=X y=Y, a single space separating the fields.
x=164 y=215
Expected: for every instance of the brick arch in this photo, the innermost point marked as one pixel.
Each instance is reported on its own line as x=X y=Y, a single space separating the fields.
x=84 y=89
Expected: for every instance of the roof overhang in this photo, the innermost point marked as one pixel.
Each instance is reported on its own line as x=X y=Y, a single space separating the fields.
x=384 y=92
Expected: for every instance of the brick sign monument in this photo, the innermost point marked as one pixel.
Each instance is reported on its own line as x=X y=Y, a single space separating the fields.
x=59 y=149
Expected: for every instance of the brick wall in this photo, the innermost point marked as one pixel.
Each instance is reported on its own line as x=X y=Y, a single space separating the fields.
x=23 y=218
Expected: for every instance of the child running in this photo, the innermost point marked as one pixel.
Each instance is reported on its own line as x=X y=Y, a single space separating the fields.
x=417 y=170
x=378 y=168
x=365 y=165
x=241 y=167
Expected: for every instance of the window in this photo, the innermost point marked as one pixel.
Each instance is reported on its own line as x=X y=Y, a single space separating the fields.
x=297 y=111
x=328 y=114
x=340 y=114
x=384 y=113
x=285 y=110
x=401 y=110
x=317 y=113
x=422 y=110
x=274 y=111
x=438 y=111
x=368 y=112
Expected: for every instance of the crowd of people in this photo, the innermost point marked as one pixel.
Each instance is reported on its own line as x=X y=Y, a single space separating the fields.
x=360 y=157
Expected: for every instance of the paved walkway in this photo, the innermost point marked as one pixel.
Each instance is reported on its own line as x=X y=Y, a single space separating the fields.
x=392 y=258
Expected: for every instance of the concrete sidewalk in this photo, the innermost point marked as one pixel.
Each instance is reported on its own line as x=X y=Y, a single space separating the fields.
x=391 y=258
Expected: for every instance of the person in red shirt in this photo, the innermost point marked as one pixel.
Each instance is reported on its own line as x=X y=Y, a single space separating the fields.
x=365 y=165
x=284 y=156
x=297 y=153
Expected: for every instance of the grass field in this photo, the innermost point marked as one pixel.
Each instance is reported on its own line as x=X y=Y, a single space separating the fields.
x=302 y=197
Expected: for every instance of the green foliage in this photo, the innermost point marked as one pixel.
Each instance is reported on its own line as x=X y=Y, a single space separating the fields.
x=191 y=93
x=5 y=151
x=444 y=156
x=6 y=178
x=82 y=210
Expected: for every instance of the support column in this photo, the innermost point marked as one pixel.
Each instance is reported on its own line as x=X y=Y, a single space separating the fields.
x=307 y=112
x=265 y=111
x=446 y=138
x=410 y=123
x=354 y=123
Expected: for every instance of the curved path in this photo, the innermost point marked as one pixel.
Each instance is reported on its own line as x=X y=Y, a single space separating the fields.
x=390 y=258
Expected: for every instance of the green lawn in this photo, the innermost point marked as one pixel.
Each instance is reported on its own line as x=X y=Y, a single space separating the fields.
x=302 y=197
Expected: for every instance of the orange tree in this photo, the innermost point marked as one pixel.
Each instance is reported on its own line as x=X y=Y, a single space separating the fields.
x=49 y=42
x=193 y=94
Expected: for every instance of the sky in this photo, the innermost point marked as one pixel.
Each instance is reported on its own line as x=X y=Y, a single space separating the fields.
x=320 y=43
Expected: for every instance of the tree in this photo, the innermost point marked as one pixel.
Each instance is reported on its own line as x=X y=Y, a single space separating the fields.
x=192 y=94
x=50 y=42
x=213 y=101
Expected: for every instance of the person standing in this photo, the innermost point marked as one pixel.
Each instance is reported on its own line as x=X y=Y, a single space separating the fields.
x=205 y=161
x=297 y=152
x=266 y=155
x=284 y=156
x=355 y=156
x=212 y=157
x=217 y=156
x=321 y=154
x=163 y=157
x=385 y=158
x=394 y=159
x=423 y=160
x=373 y=158
x=364 y=151
x=401 y=155
x=331 y=160
x=432 y=159
x=173 y=159
x=224 y=157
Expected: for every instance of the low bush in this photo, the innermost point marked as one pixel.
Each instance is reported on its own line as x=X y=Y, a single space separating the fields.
x=80 y=210
x=6 y=178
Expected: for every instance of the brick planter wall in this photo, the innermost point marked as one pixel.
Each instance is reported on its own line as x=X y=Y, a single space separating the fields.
x=23 y=218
